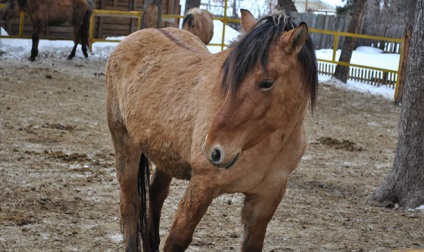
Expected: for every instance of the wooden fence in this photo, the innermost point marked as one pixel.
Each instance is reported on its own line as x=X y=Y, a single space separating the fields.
x=104 y=26
x=340 y=24
x=374 y=77
x=103 y=20
x=112 y=26
x=371 y=75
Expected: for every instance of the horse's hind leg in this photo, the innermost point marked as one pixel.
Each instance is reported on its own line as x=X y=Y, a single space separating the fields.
x=84 y=40
x=84 y=43
x=159 y=190
x=257 y=211
x=127 y=164
x=35 y=41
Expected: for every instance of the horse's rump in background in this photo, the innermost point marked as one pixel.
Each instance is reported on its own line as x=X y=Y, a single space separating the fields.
x=200 y=23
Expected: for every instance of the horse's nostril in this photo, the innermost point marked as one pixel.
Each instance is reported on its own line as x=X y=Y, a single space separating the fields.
x=216 y=156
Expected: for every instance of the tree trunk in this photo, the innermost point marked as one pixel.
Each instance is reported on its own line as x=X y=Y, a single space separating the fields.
x=191 y=4
x=234 y=6
x=405 y=183
x=152 y=12
x=404 y=63
x=342 y=72
x=288 y=7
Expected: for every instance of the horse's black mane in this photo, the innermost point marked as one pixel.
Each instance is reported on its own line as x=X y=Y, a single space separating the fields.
x=189 y=19
x=254 y=48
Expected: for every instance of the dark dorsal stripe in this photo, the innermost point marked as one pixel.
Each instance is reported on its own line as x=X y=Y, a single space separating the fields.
x=173 y=39
x=254 y=47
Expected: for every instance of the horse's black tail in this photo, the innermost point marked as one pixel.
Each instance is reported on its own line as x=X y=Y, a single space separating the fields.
x=85 y=24
x=143 y=187
x=189 y=19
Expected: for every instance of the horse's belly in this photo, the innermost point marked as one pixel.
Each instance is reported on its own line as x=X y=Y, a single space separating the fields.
x=57 y=21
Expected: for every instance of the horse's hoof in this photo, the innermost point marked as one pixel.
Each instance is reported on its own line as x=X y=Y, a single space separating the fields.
x=31 y=59
x=70 y=57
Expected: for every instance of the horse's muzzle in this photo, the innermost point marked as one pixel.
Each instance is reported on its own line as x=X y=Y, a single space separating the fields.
x=216 y=158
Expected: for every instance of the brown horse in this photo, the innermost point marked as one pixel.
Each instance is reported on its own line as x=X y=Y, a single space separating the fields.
x=229 y=122
x=200 y=23
x=54 y=12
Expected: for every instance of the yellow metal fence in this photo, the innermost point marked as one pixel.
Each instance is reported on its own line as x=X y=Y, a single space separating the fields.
x=139 y=15
x=372 y=75
x=368 y=74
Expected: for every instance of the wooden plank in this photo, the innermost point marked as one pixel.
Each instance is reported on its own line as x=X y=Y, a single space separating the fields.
x=101 y=20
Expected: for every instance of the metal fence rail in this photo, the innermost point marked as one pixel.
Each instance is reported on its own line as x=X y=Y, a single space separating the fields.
x=367 y=74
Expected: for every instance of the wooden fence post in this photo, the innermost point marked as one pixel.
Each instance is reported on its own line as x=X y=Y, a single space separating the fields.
x=403 y=64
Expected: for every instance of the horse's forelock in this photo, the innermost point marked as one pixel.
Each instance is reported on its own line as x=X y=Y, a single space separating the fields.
x=253 y=48
x=189 y=20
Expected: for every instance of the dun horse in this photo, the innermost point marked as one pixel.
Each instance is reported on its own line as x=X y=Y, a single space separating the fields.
x=228 y=122
x=200 y=23
x=54 y=12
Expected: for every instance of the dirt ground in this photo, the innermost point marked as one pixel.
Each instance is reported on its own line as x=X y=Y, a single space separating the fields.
x=59 y=192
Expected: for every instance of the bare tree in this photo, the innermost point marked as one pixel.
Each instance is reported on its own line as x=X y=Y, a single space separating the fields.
x=386 y=18
x=342 y=72
x=405 y=183
x=152 y=11
x=288 y=7
x=269 y=5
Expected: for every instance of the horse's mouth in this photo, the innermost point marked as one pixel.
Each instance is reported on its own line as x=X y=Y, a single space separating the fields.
x=232 y=162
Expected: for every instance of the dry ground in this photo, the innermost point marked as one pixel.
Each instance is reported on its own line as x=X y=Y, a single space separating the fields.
x=59 y=192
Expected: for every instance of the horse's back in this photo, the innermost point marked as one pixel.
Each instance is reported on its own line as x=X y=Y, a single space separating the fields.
x=155 y=43
x=54 y=13
x=160 y=49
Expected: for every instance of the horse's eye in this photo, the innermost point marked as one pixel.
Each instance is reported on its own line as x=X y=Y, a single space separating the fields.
x=266 y=84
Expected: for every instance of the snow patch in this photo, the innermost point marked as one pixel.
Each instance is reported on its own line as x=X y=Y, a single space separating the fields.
x=383 y=91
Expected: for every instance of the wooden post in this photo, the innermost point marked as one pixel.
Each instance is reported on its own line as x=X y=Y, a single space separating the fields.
x=403 y=63
x=152 y=11
x=131 y=7
x=101 y=21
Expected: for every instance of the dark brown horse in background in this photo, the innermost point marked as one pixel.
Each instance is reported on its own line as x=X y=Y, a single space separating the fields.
x=52 y=13
x=230 y=122
x=200 y=23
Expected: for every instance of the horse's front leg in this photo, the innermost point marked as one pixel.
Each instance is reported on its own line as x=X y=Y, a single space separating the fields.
x=77 y=38
x=257 y=211
x=199 y=194
x=35 y=40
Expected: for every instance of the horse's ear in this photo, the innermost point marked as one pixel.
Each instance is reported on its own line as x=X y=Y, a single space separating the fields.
x=247 y=20
x=298 y=38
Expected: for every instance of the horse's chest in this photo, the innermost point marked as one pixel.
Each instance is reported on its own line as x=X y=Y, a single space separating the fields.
x=167 y=158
